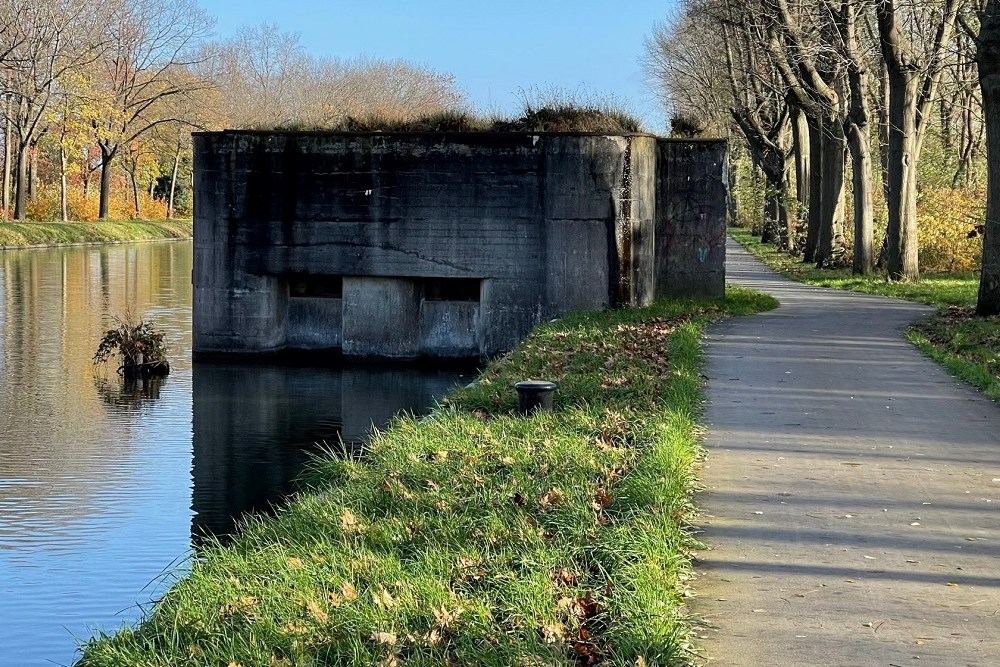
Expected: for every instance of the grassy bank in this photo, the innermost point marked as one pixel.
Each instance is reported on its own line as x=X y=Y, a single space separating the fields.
x=968 y=346
x=19 y=234
x=476 y=536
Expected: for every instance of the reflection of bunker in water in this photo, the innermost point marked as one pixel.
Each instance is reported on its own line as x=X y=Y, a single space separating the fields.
x=256 y=426
x=449 y=245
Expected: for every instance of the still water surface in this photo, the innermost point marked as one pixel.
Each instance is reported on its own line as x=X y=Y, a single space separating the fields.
x=104 y=487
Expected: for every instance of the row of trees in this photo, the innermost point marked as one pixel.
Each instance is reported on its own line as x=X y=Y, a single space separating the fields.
x=115 y=88
x=822 y=93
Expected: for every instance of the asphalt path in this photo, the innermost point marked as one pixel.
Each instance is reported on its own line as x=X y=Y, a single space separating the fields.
x=852 y=490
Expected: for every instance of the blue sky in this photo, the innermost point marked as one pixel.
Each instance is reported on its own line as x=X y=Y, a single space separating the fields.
x=493 y=49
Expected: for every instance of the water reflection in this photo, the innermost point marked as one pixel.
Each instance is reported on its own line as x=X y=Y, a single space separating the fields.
x=128 y=393
x=256 y=426
x=103 y=481
x=58 y=436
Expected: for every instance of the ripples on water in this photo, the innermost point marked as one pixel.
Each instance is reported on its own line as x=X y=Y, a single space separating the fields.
x=104 y=486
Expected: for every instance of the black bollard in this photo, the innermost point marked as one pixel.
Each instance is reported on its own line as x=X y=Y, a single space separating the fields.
x=534 y=395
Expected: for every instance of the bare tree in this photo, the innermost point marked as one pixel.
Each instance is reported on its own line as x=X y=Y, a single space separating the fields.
x=261 y=74
x=266 y=80
x=392 y=89
x=152 y=46
x=801 y=47
x=846 y=17
x=682 y=60
x=913 y=74
x=988 y=59
x=760 y=109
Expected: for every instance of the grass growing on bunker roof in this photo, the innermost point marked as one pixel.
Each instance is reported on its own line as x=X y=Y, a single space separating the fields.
x=542 y=110
x=475 y=536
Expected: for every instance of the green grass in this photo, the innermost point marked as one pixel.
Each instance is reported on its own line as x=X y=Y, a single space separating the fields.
x=475 y=536
x=968 y=346
x=19 y=234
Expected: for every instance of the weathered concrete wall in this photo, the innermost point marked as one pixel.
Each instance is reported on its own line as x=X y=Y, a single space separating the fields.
x=692 y=206
x=421 y=244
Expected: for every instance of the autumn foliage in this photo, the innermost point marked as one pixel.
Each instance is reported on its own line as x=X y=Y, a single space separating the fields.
x=948 y=227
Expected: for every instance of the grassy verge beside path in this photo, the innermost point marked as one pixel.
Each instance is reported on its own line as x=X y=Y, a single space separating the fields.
x=475 y=536
x=26 y=234
x=968 y=346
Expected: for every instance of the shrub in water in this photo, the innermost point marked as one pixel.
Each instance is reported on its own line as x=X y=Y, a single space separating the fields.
x=139 y=345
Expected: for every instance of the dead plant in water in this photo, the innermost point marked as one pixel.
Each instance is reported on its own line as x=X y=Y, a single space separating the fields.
x=138 y=344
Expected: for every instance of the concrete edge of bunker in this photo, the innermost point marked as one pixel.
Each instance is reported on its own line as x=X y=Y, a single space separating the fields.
x=406 y=245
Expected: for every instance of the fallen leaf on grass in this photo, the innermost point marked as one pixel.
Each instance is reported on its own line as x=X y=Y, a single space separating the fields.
x=387 y=638
x=553 y=497
x=384 y=599
x=562 y=575
x=316 y=611
x=433 y=638
x=348 y=522
x=350 y=593
x=444 y=618
x=553 y=632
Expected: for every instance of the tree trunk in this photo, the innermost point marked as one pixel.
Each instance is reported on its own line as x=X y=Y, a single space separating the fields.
x=883 y=129
x=8 y=155
x=864 y=206
x=901 y=247
x=85 y=174
x=967 y=140
x=815 y=212
x=21 y=186
x=800 y=133
x=988 y=57
x=775 y=205
x=772 y=204
x=833 y=158
x=913 y=79
x=755 y=179
x=135 y=195
x=173 y=183
x=856 y=125
x=63 y=194
x=107 y=158
x=787 y=221
x=33 y=172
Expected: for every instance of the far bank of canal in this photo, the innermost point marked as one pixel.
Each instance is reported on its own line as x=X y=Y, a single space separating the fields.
x=104 y=487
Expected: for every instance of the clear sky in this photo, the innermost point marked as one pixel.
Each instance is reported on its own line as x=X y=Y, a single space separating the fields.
x=494 y=49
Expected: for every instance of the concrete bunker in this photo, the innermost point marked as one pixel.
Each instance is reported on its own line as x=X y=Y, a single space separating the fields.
x=403 y=245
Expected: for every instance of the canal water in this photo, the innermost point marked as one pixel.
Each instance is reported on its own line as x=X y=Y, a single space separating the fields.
x=106 y=487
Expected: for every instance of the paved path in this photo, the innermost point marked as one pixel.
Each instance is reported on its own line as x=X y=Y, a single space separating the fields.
x=852 y=506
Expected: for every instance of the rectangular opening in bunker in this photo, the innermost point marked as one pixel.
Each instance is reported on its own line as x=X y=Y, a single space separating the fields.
x=452 y=289
x=315 y=286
